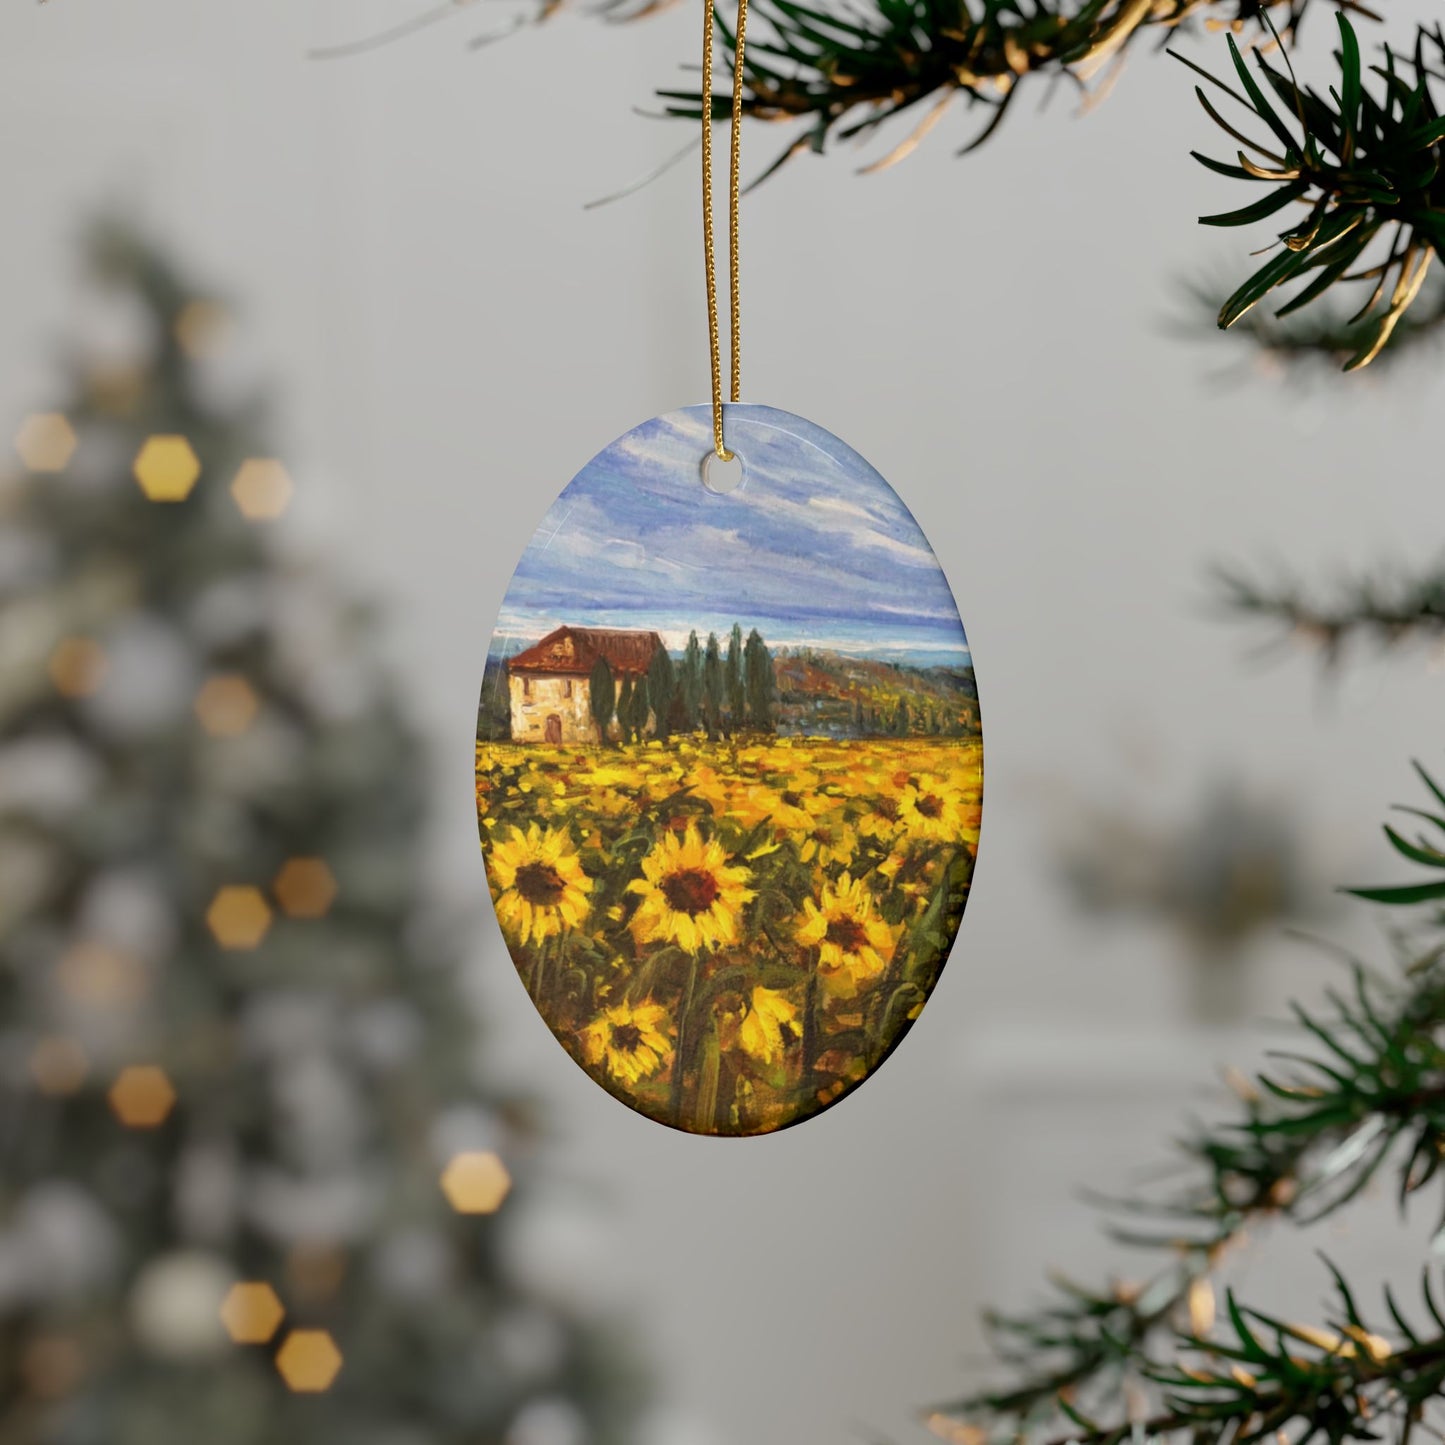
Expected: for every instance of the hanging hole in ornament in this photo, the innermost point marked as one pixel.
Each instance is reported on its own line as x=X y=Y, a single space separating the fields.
x=722 y=475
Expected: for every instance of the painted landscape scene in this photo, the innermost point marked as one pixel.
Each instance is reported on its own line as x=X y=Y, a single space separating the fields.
x=729 y=772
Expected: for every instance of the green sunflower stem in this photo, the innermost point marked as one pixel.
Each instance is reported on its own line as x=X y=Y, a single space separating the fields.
x=812 y=1029
x=704 y=1111
x=684 y=1033
x=539 y=970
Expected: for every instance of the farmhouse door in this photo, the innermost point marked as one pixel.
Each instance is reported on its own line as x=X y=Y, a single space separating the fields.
x=554 y=728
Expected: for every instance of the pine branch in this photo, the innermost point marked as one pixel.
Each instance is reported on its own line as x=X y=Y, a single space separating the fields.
x=1364 y=1092
x=1362 y=159
x=1388 y=613
x=841 y=72
x=1156 y=1364
x=1365 y=165
x=1322 y=339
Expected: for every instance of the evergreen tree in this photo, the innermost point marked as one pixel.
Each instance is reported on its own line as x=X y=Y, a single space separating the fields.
x=901 y=719
x=237 y=1051
x=736 y=690
x=662 y=689
x=641 y=706
x=713 y=687
x=602 y=697
x=860 y=720
x=760 y=682
x=691 y=688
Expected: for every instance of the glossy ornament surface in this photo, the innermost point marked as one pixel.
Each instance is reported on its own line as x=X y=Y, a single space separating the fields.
x=729 y=771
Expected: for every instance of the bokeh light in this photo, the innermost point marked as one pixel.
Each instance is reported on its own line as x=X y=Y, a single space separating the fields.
x=45 y=441
x=305 y=888
x=142 y=1096
x=252 y=1313
x=226 y=705
x=262 y=489
x=308 y=1361
x=58 y=1065
x=77 y=666
x=166 y=468
x=239 y=916
x=476 y=1182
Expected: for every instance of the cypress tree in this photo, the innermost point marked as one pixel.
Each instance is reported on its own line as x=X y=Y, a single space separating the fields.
x=641 y=706
x=759 y=681
x=692 y=682
x=737 y=692
x=662 y=687
x=601 y=697
x=712 y=686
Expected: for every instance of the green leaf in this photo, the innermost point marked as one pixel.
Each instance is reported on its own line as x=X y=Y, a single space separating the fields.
x=1430 y=857
x=1254 y=290
x=1329 y=273
x=1436 y=791
x=1402 y=896
x=1262 y=107
x=1266 y=206
x=1349 y=77
x=1235 y=173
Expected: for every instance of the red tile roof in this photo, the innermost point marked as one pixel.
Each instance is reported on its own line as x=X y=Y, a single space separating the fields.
x=575 y=650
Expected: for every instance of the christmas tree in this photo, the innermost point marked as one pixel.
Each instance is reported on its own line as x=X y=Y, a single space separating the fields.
x=253 y=1184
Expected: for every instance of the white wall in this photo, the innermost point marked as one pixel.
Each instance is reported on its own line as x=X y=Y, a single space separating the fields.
x=454 y=336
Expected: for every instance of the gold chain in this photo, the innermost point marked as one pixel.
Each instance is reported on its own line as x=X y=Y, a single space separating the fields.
x=735 y=314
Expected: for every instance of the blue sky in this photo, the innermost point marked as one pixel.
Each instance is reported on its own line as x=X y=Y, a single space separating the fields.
x=815 y=548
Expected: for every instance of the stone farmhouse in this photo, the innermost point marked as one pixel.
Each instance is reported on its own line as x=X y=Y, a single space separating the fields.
x=548 y=683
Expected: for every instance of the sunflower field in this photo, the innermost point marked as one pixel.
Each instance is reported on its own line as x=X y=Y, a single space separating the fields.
x=730 y=935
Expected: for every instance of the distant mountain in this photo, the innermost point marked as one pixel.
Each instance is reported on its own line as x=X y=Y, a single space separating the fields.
x=830 y=693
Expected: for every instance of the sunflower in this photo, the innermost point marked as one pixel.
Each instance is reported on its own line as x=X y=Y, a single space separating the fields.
x=789 y=806
x=630 y=1039
x=932 y=807
x=831 y=840
x=690 y=896
x=878 y=817
x=854 y=944
x=769 y=1025
x=705 y=782
x=542 y=889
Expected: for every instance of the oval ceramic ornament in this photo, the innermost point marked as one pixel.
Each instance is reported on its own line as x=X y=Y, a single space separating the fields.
x=729 y=770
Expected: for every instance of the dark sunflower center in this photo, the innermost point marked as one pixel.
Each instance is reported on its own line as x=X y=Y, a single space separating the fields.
x=847 y=933
x=540 y=883
x=929 y=806
x=792 y=799
x=626 y=1038
x=690 y=890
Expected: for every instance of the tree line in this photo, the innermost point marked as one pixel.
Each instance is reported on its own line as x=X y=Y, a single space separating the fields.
x=899 y=720
x=721 y=693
